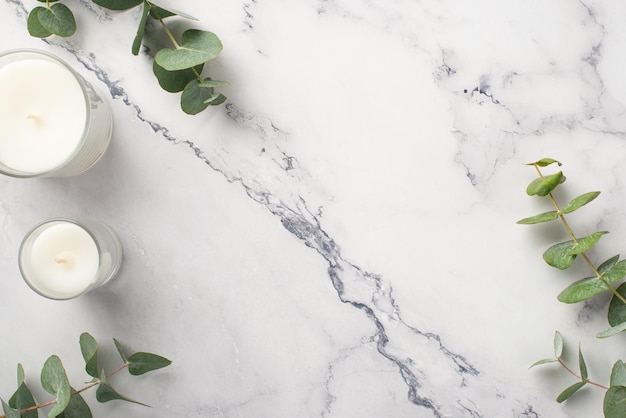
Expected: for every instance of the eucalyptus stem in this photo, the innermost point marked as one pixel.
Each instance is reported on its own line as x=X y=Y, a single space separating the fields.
x=577 y=376
x=573 y=236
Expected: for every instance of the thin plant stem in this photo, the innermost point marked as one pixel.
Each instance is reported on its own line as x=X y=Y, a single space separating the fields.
x=573 y=373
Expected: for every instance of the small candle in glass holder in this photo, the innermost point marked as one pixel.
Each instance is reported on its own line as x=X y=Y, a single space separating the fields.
x=54 y=123
x=62 y=258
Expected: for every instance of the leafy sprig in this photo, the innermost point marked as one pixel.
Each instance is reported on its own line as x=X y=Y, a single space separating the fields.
x=68 y=402
x=562 y=255
x=177 y=69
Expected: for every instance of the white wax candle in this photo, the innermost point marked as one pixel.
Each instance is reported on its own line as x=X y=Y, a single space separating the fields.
x=64 y=260
x=43 y=113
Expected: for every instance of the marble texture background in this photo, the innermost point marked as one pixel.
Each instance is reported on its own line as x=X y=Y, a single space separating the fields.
x=338 y=239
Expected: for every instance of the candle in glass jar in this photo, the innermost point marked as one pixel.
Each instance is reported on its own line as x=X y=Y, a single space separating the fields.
x=62 y=259
x=54 y=123
x=42 y=114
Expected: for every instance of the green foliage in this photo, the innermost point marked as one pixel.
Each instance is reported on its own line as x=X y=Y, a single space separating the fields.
x=176 y=69
x=68 y=402
x=562 y=256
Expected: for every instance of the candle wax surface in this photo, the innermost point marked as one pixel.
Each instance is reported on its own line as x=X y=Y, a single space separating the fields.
x=64 y=260
x=42 y=113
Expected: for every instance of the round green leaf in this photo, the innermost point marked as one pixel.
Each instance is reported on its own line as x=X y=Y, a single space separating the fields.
x=197 y=48
x=34 y=25
x=560 y=255
x=617 y=309
x=175 y=81
x=615 y=402
x=58 y=19
x=54 y=381
x=543 y=186
x=193 y=98
x=618 y=374
x=89 y=350
x=77 y=408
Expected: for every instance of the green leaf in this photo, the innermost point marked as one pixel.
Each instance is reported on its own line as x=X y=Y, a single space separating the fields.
x=106 y=393
x=141 y=29
x=120 y=350
x=570 y=391
x=77 y=408
x=208 y=83
x=544 y=162
x=118 y=4
x=586 y=243
x=22 y=399
x=54 y=381
x=617 y=309
x=616 y=329
x=579 y=201
x=193 y=98
x=34 y=25
x=558 y=344
x=582 y=365
x=216 y=99
x=175 y=81
x=543 y=361
x=197 y=48
x=161 y=12
x=618 y=374
x=141 y=363
x=542 y=217
x=582 y=290
x=560 y=255
x=89 y=349
x=58 y=19
x=21 y=376
x=615 y=402
x=543 y=186
x=10 y=412
x=608 y=264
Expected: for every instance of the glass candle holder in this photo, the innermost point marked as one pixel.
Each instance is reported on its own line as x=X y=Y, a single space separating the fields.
x=54 y=123
x=62 y=258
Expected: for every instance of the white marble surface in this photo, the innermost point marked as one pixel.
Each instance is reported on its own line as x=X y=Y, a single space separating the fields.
x=339 y=239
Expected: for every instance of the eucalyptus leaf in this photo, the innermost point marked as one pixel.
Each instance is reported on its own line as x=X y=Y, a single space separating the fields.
x=542 y=217
x=197 y=48
x=582 y=290
x=106 y=393
x=77 y=408
x=141 y=29
x=615 y=402
x=175 y=81
x=208 y=83
x=120 y=350
x=560 y=255
x=192 y=101
x=586 y=243
x=567 y=393
x=58 y=19
x=543 y=186
x=141 y=363
x=54 y=381
x=558 y=344
x=23 y=399
x=161 y=12
x=615 y=329
x=118 y=4
x=618 y=374
x=615 y=273
x=89 y=350
x=544 y=162
x=10 y=412
x=543 y=361
x=216 y=99
x=579 y=202
x=34 y=25
x=21 y=376
x=582 y=365
x=608 y=264
x=617 y=309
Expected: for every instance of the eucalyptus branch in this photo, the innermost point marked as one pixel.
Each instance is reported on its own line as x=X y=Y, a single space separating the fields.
x=177 y=70
x=562 y=256
x=68 y=401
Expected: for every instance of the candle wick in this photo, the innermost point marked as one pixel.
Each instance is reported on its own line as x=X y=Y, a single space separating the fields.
x=61 y=260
